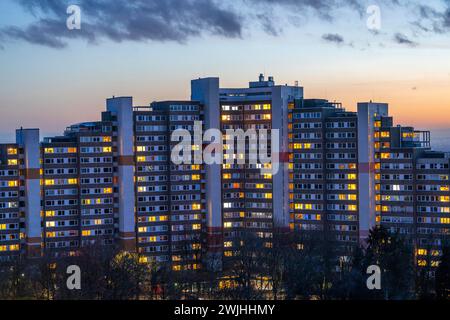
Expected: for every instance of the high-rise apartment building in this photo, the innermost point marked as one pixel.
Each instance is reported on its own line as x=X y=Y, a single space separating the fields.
x=324 y=166
x=116 y=182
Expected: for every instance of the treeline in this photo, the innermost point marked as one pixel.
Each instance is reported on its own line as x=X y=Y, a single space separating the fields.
x=292 y=267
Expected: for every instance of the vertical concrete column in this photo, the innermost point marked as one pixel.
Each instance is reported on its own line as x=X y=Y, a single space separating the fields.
x=281 y=97
x=122 y=108
x=28 y=139
x=206 y=91
x=367 y=113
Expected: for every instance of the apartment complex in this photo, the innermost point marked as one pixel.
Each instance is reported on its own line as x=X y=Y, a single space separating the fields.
x=115 y=181
x=324 y=166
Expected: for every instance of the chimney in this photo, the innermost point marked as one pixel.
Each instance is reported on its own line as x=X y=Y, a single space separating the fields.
x=261 y=77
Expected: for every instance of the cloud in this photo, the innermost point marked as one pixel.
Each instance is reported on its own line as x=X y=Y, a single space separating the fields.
x=400 y=38
x=181 y=20
x=433 y=20
x=124 y=20
x=335 y=38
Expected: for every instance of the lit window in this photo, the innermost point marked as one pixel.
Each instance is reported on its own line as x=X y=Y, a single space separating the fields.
x=12 y=151
x=13 y=183
x=107 y=190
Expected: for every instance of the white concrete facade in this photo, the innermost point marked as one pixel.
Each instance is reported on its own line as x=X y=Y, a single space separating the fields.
x=122 y=107
x=28 y=139
x=367 y=114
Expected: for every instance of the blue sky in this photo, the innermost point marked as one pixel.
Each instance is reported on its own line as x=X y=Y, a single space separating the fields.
x=153 y=52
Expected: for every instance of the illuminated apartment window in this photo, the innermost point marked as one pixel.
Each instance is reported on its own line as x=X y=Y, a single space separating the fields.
x=226 y=176
x=72 y=150
x=107 y=149
x=421 y=263
x=377 y=124
x=195 y=177
x=50 y=224
x=107 y=139
x=107 y=190
x=72 y=181
x=12 y=162
x=49 y=150
x=385 y=134
x=12 y=151
x=49 y=213
x=422 y=252
x=49 y=182
x=196 y=206
x=408 y=134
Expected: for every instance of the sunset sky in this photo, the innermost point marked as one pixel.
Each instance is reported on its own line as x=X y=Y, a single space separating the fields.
x=51 y=77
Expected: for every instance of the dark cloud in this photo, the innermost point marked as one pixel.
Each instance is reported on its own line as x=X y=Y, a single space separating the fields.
x=433 y=20
x=121 y=20
x=335 y=38
x=181 y=20
x=400 y=38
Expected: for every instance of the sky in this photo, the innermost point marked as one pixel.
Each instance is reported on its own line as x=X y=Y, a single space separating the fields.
x=341 y=50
